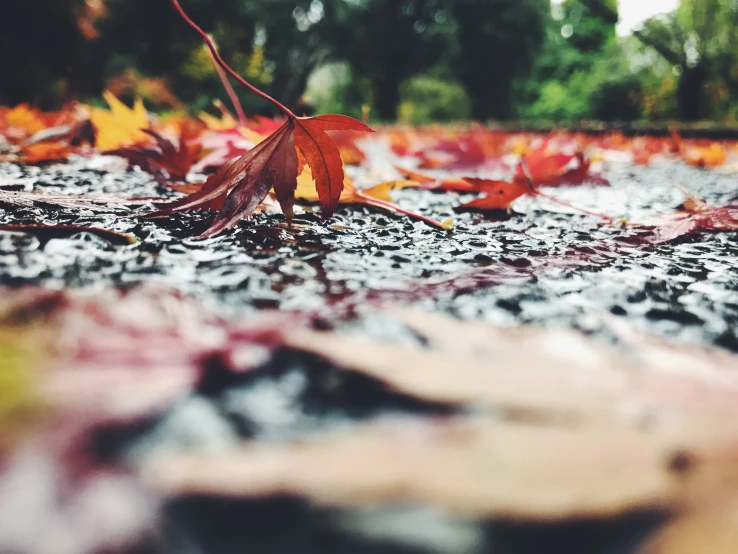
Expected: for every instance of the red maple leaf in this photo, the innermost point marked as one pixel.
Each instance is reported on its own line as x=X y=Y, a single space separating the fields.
x=240 y=185
x=498 y=195
x=692 y=217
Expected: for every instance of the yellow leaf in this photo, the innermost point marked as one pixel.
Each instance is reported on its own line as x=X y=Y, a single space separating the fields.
x=18 y=398
x=382 y=190
x=121 y=125
x=705 y=156
x=222 y=123
x=374 y=196
x=306 y=188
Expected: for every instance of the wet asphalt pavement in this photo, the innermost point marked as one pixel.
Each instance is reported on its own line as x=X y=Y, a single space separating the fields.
x=545 y=266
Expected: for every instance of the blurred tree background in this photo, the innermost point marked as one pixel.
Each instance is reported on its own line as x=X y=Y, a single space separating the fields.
x=413 y=60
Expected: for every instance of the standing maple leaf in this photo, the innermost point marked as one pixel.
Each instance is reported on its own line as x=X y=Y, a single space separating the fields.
x=240 y=185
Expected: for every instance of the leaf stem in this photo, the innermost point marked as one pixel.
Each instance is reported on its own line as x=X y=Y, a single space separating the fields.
x=536 y=192
x=224 y=65
x=575 y=208
x=229 y=91
x=394 y=208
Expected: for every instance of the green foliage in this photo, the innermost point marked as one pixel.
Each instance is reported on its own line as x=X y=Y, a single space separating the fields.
x=386 y=42
x=427 y=99
x=699 y=41
x=514 y=58
x=582 y=72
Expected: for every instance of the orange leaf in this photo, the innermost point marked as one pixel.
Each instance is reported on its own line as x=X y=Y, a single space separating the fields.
x=45 y=152
x=704 y=156
x=24 y=121
x=421 y=178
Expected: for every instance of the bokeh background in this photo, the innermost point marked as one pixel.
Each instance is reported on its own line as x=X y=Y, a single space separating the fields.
x=413 y=61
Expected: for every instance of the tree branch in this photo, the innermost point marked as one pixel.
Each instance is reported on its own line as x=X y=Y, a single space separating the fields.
x=669 y=55
x=599 y=8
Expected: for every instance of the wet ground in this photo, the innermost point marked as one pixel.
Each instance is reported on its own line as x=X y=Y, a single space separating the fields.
x=547 y=266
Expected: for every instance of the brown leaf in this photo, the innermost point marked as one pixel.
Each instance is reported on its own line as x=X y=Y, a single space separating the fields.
x=563 y=428
x=99 y=203
x=60 y=231
x=218 y=186
x=240 y=185
x=478 y=469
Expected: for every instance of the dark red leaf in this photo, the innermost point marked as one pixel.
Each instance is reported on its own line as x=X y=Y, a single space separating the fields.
x=274 y=167
x=166 y=162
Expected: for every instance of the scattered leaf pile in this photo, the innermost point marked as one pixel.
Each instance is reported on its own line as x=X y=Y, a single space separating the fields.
x=295 y=159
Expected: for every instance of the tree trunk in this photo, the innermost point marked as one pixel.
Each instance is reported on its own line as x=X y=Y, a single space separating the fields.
x=490 y=100
x=387 y=98
x=690 y=93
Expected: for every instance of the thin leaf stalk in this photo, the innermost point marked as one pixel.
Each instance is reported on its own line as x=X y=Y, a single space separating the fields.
x=221 y=62
x=229 y=91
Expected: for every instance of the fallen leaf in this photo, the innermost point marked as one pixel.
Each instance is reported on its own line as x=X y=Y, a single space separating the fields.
x=416 y=176
x=19 y=399
x=63 y=231
x=275 y=166
x=45 y=152
x=120 y=126
x=693 y=217
x=222 y=146
x=499 y=195
x=22 y=121
x=241 y=185
x=351 y=154
x=322 y=155
x=101 y=203
x=710 y=156
x=377 y=196
x=481 y=469
x=382 y=190
x=165 y=161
